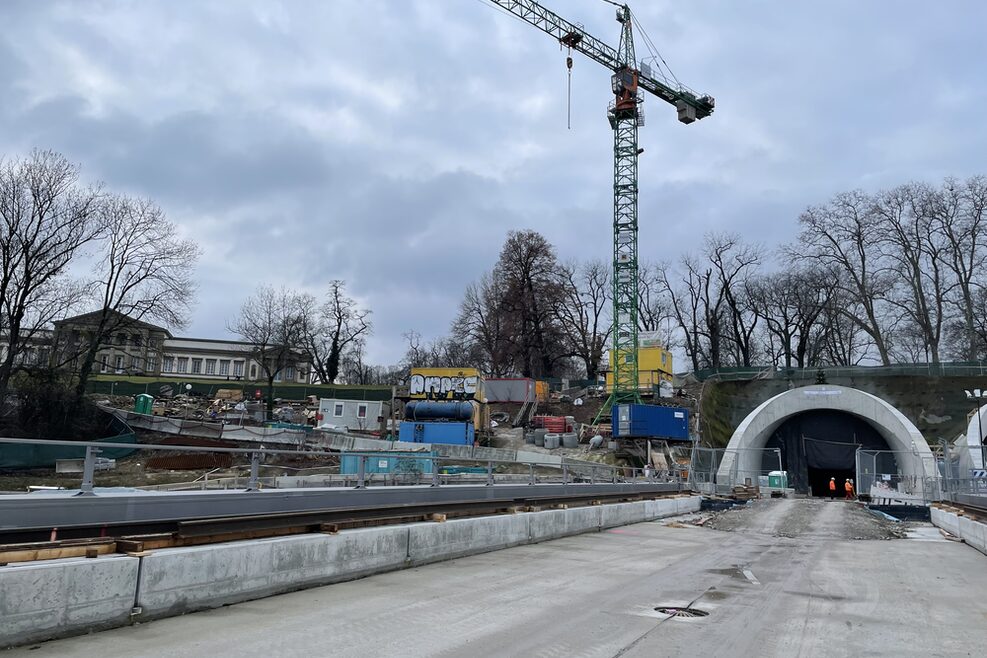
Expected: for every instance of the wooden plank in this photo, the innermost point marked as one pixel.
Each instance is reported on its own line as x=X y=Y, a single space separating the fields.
x=37 y=554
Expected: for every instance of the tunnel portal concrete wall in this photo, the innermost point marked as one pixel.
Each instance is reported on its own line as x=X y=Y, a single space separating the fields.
x=743 y=452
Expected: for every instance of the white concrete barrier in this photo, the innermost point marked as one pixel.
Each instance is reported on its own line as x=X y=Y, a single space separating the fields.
x=972 y=532
x=659 y=509
x=688 y=504
x=178 y=580
x=553 y=524
x=432 y=542
x=44 y=600
x=618 y=514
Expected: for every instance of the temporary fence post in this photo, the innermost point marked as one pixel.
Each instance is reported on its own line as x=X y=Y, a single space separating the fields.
x=490 y=478
x=254 y=471
x=565 y=474
x=531 y=473
x=435 y=471
x=592 y=474
x=89 y=471
x=614 y=473
x=361 y=472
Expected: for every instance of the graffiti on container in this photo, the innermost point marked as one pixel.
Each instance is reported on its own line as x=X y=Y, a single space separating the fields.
x=434 y=386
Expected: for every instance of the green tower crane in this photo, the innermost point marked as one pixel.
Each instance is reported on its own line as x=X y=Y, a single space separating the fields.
x=625 y=117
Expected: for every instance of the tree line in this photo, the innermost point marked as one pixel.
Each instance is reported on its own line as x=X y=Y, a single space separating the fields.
x=894 y=276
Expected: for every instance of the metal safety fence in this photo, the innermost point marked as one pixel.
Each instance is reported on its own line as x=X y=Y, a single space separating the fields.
x=408 y=465
x=896 y=478
x=719 y=470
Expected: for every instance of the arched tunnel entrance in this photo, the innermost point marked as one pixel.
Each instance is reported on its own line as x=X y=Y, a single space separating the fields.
x=821 y=444
x=817 y=431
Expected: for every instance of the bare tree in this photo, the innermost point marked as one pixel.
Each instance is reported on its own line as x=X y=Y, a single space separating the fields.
x=530 y=274
x=582 y=312
x=47 y=218
x=654 y=307
x=959 y=211
x=483 y=326
x=734 y=265
x=791 y=303
x=273 y=322
x=842 y=237
x=338 y=325
x=144 y=272
x=918 y=253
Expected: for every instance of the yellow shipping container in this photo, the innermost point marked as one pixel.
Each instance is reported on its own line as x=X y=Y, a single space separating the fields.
x=446 y=384
x=541 y=391
x=654 y=366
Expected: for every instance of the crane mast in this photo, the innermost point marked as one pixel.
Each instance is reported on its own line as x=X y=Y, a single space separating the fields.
x=625 y=116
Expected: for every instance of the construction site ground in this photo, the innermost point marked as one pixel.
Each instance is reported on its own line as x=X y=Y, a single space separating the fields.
x=784 y=581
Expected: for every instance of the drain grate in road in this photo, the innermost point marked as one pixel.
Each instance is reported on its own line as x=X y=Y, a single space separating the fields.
x=687 y=613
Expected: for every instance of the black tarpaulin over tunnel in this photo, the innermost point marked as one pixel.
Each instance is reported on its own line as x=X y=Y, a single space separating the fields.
x=820 y=444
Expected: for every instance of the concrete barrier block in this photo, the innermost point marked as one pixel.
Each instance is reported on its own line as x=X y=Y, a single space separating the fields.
x=432 y=542
x=972 y=533
x=553 y=524
x=179 y=580
x=44 y=600
x=688 y=504
x=951 y=523
x=661 y=508
x=618 y=514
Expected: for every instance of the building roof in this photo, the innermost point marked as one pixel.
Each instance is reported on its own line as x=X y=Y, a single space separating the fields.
x=125 y=321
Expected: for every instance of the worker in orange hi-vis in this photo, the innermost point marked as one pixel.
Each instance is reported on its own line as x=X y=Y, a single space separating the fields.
x=849 y=489
x=832 y=488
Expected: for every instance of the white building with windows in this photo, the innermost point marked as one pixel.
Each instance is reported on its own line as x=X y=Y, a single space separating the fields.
x=140 y=348
x=364 y=415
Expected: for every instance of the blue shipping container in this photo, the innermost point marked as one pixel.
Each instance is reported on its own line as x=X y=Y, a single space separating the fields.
x=648 y=421
x=386 y=462
x=438 y=432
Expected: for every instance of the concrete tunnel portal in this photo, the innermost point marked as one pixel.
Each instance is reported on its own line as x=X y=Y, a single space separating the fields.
x=814 y=432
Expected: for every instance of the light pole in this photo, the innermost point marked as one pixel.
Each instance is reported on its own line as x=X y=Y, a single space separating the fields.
x=188 y=390
x=979 y=396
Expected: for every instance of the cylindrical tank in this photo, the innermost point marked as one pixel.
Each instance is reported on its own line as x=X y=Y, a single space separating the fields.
x=570 y=440
x=552 y=440
x=438 y=410
x=539 y=439
x=529 y=438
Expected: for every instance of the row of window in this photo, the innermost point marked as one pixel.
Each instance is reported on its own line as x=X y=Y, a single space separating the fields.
x=181 y=365
x=136 y=363
x=186 y=365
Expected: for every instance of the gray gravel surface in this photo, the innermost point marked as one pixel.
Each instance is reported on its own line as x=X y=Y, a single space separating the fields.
x=824 y=519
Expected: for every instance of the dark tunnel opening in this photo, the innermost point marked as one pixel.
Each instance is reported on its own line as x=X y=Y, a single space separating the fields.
x=818 y=445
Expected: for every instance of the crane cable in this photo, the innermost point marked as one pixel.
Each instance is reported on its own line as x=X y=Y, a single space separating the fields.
x=655 y=54
x=568 y=99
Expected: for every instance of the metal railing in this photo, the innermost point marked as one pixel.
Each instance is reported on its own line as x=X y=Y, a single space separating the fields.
x=570 y=473
x=954 y=369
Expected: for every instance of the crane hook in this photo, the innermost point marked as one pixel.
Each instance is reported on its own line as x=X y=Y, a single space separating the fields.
x=568 y=100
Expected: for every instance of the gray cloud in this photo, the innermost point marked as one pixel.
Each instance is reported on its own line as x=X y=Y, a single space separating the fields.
x=394 y=144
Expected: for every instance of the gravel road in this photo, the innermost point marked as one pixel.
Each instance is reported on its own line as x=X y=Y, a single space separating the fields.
x=801 y=517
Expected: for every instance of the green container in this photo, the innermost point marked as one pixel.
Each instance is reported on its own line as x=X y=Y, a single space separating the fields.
x=144 y=404
x=778 y=480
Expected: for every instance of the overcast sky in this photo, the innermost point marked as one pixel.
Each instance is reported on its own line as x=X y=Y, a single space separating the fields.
x=394 y=143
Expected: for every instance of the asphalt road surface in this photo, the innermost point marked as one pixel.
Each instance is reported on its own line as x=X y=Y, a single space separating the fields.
x=784 y=580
